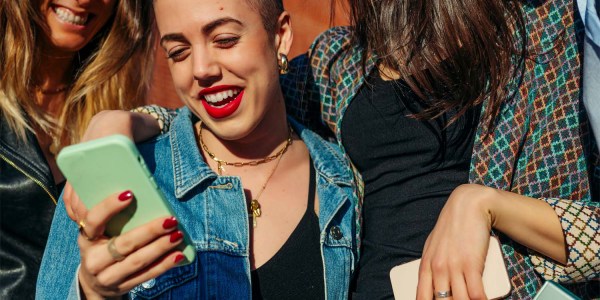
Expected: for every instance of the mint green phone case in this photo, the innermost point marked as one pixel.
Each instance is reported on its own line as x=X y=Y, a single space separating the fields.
x=102 y=167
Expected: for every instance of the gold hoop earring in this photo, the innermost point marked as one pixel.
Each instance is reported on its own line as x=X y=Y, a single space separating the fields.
x=283 y=64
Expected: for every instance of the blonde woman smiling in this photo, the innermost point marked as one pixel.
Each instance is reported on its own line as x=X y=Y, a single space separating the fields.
x=61 y=62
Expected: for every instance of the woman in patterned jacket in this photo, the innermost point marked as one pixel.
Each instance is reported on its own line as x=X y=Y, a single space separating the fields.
x=460 y=120
x=402 y=104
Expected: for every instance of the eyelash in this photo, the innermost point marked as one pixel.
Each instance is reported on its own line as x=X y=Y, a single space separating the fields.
x=227 y=42
x=175 y=55
x=224 y=43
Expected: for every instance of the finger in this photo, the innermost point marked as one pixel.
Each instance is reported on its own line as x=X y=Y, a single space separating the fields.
x=458 y=285
x=79 y=209
x=138 y=262
x=158 y=268
x=100 y=214
x=68 y=200
x=87 y=286
x=425 y=285
x=441 y=279
x=474 y=281
x=128 y=243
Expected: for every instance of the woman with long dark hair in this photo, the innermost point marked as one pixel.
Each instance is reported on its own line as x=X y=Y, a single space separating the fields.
x=458 y=116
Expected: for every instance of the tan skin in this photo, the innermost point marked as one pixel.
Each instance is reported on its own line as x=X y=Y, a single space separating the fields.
x=471 y=211
x=257 y=129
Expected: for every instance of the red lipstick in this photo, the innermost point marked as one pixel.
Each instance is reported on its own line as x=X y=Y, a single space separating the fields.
x=222 y=111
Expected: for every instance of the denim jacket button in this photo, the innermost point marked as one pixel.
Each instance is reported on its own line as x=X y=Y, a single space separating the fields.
x=149 y=284
x=336 y=233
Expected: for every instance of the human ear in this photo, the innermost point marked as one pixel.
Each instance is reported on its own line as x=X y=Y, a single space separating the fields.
x=283 y=34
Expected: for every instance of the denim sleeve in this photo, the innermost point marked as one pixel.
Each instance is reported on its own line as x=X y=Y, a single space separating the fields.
x=56 y=279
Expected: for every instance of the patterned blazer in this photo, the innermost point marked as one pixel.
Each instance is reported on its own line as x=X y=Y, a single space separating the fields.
x=540 y=146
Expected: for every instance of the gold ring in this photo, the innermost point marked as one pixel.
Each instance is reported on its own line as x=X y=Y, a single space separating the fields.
x=81 y=225
x=112 y=249
x=443 y=294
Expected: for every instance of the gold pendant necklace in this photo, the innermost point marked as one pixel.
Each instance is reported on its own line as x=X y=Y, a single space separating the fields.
x=254 y=204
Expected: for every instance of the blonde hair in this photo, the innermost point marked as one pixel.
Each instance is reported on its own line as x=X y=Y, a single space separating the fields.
x=111 y=72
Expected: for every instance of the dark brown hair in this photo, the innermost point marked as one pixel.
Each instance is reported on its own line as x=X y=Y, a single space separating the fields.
x=475 y=40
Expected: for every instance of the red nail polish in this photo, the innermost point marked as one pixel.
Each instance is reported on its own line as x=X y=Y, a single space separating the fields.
x=176 y=236
x=170 y=223
x=126 y=195
x=178 y=258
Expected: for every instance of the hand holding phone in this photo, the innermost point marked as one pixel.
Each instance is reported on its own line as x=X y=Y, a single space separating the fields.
x=496 y=282
x=102 y=167
x=111 y=267
x=141 y=239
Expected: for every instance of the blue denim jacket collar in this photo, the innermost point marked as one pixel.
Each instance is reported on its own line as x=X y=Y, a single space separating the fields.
x=190 y=170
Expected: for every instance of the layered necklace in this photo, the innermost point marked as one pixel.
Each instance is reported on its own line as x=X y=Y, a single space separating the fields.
x=254 y=204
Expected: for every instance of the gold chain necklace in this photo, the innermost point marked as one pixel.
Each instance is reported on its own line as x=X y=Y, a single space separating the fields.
x=221 y=162
x=254 y=204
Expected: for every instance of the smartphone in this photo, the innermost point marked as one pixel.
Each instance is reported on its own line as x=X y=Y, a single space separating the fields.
x=496 y=282
x=554 y=291
x=102 y=167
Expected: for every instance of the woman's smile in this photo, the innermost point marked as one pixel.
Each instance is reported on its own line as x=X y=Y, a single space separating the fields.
x=68 y=16
x=221 y=101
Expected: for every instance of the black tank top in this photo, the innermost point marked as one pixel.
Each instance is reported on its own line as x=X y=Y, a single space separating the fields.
x=409 y=168
x=296 y=270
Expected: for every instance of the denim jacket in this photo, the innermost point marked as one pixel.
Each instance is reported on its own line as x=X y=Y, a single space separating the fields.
x=213 y=211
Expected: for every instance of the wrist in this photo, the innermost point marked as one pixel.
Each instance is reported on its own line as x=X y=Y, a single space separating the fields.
x=479 y=198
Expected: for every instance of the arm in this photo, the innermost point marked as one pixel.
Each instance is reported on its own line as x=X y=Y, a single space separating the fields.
x=580 y=225
x=136 y=126
x=467 y=218
x=528 y=221
x=139 y=124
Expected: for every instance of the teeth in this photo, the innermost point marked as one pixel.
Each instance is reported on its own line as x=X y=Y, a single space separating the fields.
x=220 y=96
x=67 y=16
